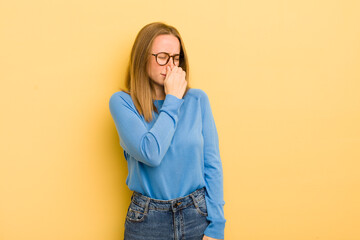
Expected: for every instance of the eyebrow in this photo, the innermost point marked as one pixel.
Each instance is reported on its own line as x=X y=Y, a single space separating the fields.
x=169 y=53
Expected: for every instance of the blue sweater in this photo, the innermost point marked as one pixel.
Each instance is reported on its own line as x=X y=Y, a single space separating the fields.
x=174 y=154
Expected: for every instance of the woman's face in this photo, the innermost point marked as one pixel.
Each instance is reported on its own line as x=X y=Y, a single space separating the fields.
x=162 y=43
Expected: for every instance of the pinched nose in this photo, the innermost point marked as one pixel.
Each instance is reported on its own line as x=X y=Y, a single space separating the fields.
x=170 y=62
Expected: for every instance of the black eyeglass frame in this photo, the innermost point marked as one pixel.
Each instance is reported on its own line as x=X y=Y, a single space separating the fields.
x=169 y=56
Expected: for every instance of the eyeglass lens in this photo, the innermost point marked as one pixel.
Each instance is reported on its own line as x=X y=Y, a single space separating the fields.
x=163 y=58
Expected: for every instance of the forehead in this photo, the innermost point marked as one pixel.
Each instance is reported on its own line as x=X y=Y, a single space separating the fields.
x=166 y=43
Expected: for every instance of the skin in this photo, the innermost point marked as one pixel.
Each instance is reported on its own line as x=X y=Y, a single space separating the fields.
x=209 y=238
x=167 y=79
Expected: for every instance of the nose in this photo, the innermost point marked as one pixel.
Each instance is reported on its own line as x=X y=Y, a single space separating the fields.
x=171 y=62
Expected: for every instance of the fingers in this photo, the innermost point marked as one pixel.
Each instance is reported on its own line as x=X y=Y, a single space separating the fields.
x=175 y=69
x=175 y=82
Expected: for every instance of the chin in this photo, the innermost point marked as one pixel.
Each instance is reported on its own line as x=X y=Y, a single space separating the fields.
x=159 y=82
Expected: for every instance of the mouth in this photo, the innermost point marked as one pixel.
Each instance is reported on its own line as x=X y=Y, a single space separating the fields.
x=163 y=74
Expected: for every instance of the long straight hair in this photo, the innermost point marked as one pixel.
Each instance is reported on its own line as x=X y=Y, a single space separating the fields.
x=138 y=82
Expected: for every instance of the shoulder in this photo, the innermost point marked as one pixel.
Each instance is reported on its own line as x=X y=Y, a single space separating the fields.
x=196 y=93
x=120 y=94
x=201 y=97
x=121 y=97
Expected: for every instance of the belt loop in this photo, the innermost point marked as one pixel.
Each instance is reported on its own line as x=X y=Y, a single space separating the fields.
x=147 y=205
x=193 y=198
x=172 y=206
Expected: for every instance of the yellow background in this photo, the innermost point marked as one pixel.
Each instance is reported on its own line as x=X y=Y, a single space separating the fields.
x=283 y=82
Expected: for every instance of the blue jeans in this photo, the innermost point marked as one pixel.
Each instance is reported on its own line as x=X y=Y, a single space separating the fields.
x=176 y=219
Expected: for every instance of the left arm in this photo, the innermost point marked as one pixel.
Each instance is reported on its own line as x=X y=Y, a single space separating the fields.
x=213 y=173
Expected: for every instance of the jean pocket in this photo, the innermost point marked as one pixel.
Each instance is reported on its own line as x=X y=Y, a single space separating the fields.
x=135 y=213
x=201 y=207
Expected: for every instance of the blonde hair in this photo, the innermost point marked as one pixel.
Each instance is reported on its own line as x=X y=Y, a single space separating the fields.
x=138 y=82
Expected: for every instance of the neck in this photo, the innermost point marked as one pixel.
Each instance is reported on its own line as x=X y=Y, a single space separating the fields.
x=159 y=92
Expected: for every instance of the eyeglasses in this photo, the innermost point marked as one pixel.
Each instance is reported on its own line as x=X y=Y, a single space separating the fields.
x=162 y=58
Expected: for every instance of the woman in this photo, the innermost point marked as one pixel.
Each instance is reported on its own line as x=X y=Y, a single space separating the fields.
x=170 y=143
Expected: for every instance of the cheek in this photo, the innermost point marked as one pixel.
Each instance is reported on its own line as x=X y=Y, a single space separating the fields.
x=155 y=68
x=150 y=69
x=154 y=71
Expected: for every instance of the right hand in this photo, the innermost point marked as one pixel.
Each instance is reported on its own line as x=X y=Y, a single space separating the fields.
x=175 y=83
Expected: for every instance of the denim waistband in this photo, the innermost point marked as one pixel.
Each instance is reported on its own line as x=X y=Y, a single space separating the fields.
x=168 y=205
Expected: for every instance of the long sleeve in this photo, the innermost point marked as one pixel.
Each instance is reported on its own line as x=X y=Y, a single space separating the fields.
x=146 y=146
x=213 y=173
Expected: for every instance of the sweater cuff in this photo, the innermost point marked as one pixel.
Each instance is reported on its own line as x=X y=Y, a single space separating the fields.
x=215 y=230
x=172 y=106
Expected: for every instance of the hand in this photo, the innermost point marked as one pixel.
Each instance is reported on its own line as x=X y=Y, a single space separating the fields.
x=175 y=83
x=209 y=238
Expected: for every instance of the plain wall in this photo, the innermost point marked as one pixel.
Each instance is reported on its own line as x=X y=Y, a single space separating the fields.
x=283 y=82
